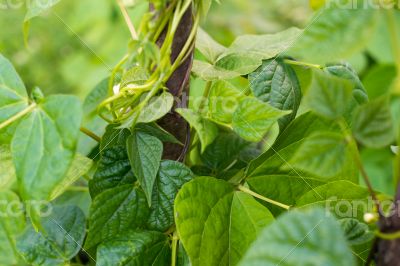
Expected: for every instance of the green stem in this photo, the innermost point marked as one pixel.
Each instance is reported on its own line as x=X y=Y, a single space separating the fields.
x=304 y=64
x=127 y=20
x=90 y=133
x=205 y=95
x=356 y=156
x=14 y=118
x=175 y=239
x=258 y=196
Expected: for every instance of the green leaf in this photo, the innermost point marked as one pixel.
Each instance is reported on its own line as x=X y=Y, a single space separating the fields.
x=157 y=107
x=214 y=234
x=115 y=211
x=295 y=239
x=245 y=55
x=114 y=169
x=158 y=132
x=44 y=145
x=12 y=222
x=343 y=198
x=322 y=154
x=80 y=166
x=61 y=241
x=282 y=188
x=7 y=174
x=224 y=150
x=329 y=96
x=171 y=177
x=223 y=100
x=13 y=97
x=144 y=152
x=209 y=72
x=275 y=160
x=114 y=136
x=345 y=71
x=135 y=249
x=373 y=124
x=335 y=33
x=206 y=130
x=253 y=119
x=357 y=233
x=276 y=83
x=208 y=46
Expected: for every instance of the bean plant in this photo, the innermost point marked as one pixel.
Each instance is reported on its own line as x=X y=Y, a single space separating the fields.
x=202 y=154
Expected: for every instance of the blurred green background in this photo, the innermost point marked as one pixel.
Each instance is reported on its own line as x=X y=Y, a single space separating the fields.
x=73 y=47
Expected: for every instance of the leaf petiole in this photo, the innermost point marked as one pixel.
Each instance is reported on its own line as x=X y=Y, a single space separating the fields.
x=19 y=115
x=304 y=64
x=90 y=134
x=175 y=239
x=258 y=196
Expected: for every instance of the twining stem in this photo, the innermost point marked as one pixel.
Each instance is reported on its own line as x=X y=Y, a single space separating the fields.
x=258 y=196
x=357 y=158
x=304 y=64
x=127 y=20
x=388 y=236
x=175 y=239
x=90 y=133
x=14 y=118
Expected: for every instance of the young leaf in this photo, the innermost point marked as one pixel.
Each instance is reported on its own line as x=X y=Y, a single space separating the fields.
x=329 y=96
x=323 y=154
x=373 y=124
x=157 y=107
x=206 y=130
x=44 y=144
x=135 y=249
x=13 y=97
x=223 y=99
x=343 y=198
x=115 y=211
x=356 y=232
x=144 y=152
x=253 y=118
x=171 y=177
x=208 y=46
x=12 y=222
x=276 y=83
x=345 y=71
x=214 y=233
x=295 y=239
x=114 y=169
x=61 y=241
